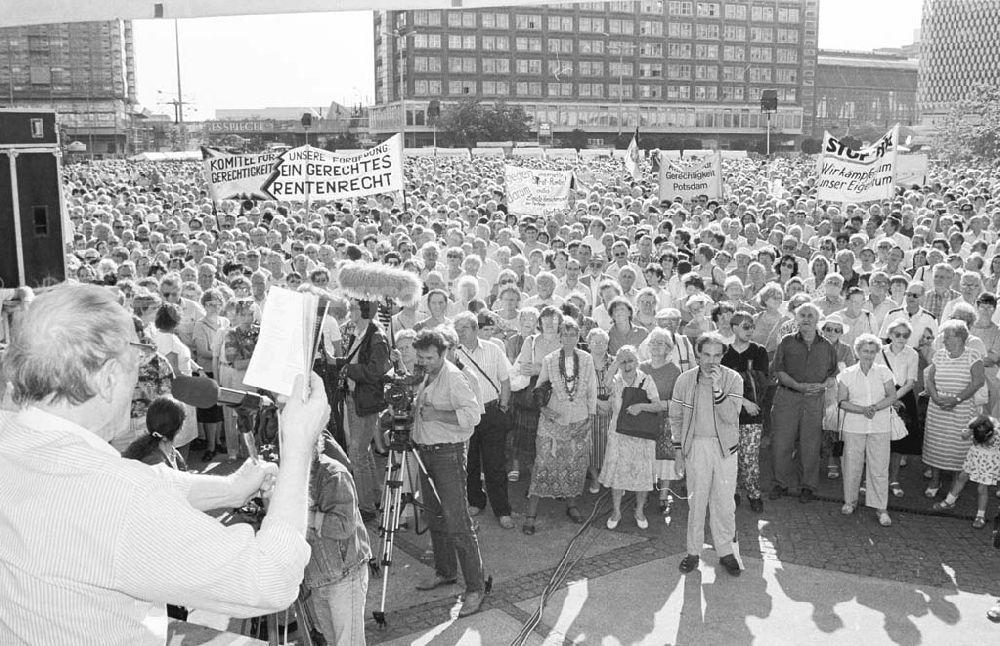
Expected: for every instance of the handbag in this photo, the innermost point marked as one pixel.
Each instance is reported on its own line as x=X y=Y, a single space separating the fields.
x=897 y=429
x=541 y=395
x=645 y=426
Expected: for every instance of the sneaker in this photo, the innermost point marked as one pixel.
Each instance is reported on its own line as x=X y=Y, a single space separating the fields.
x=979 y=522
x=805 y=495
x=883 y=519
x=847 y=509
x=731 y=564
x=689 y=563
x=506 y=522
x=756 y=505
x=993 y=614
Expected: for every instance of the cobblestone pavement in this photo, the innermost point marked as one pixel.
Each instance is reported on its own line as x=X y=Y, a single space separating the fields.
x=919 y=549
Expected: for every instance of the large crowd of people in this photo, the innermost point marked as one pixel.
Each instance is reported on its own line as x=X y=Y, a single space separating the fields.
x=623 y=342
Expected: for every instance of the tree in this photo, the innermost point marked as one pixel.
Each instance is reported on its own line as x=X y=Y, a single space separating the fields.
x=811 y=146
x=972 y=128
x=468 y=122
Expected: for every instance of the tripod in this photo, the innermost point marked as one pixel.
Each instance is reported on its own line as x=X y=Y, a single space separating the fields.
x=397 y=471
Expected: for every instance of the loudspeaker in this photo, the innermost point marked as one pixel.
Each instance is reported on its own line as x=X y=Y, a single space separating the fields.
x=31 y=218
x=769 y=101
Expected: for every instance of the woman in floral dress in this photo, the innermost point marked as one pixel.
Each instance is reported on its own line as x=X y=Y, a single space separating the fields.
x=562 y=447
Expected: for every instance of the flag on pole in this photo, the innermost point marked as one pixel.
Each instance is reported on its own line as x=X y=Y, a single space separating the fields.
x=632 y=157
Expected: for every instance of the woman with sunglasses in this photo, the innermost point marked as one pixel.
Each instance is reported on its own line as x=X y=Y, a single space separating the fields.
x=904 y=363
x=786 y=268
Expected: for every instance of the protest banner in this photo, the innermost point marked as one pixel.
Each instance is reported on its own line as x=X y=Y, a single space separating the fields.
x=306 y=173
x=537 y=192
x=911 y=169
x=237 y=177
x=847 y=175
x=561 y=153
x=691 y=180
x=487 y=152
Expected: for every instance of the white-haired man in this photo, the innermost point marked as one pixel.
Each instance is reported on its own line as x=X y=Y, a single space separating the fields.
x=95 y=546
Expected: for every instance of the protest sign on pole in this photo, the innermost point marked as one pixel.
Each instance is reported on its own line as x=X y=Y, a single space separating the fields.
x=847 y=175
x=237 y=177
x=691 y=180
x=316 y=174
x=911 y=169
x=537 y=192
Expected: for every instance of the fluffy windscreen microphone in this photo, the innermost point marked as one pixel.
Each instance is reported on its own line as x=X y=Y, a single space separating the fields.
x=200 y=392
x=369 y=281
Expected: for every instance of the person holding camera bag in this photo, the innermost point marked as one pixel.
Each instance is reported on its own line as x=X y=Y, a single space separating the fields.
x=704 y=421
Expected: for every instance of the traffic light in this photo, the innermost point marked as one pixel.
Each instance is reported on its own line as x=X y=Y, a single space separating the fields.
x=769 y=101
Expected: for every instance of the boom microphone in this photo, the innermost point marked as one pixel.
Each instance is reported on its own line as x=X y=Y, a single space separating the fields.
x=202 y=392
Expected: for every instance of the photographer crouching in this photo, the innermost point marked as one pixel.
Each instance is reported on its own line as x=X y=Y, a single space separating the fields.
x=447 y=411
x=79 y=523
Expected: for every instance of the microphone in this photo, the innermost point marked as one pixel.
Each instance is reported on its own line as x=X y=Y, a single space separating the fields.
x=203 y=392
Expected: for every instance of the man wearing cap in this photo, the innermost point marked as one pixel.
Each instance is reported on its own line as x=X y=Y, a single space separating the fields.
x=806 y=365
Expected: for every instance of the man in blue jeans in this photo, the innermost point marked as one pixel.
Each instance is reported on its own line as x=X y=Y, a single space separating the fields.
x=446 y=413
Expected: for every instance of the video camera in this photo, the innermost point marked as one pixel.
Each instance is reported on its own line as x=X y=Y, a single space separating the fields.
x=396 y=422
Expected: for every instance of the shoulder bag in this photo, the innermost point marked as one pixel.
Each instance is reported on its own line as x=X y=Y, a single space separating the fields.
x=897 y=428
x=645 y=425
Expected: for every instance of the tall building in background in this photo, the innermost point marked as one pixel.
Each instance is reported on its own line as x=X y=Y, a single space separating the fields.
x=689 y=73
x=865 y=93
x=959 y=48
x=85 y=71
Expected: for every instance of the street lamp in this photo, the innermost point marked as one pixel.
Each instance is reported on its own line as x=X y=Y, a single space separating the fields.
x=620 y=46
x=401 y=33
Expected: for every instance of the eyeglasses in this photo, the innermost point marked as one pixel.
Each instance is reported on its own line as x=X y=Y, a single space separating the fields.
x=912 y=295
x=619 y=255
x=900 y=335
x=881 y=283
x=748 y=326
x=834 y=330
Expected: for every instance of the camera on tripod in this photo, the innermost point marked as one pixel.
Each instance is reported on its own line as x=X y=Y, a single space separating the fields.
x=396 y=422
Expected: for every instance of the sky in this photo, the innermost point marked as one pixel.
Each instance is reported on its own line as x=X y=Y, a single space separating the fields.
x=309 y=60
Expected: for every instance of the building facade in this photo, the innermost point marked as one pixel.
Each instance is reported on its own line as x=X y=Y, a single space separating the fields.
x=960 y=48
x=863 y=93
x=691 y=70
x=84 y=71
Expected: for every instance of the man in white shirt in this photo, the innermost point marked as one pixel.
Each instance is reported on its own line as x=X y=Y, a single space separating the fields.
x=74 y=376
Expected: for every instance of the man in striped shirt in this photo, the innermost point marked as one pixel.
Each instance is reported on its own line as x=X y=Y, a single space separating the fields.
x=93 y=546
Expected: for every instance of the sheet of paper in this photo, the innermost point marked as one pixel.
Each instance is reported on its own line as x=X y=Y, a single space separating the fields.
x=281 y=351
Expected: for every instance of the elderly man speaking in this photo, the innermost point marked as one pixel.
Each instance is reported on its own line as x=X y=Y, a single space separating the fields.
x=93 y=546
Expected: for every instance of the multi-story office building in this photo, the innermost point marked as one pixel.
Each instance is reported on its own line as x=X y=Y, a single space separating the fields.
x=85 y=71
x=960 y=48
x=675 y=68
x=864 y=93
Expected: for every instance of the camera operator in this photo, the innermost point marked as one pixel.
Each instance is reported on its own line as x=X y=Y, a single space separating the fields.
x=78 y=521
x=364 y=366
x=447 y=411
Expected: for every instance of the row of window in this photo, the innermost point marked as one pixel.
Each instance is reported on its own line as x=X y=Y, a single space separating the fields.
x=435 y=88
x=598 y=47
x=558 y=68
x=492 y=20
